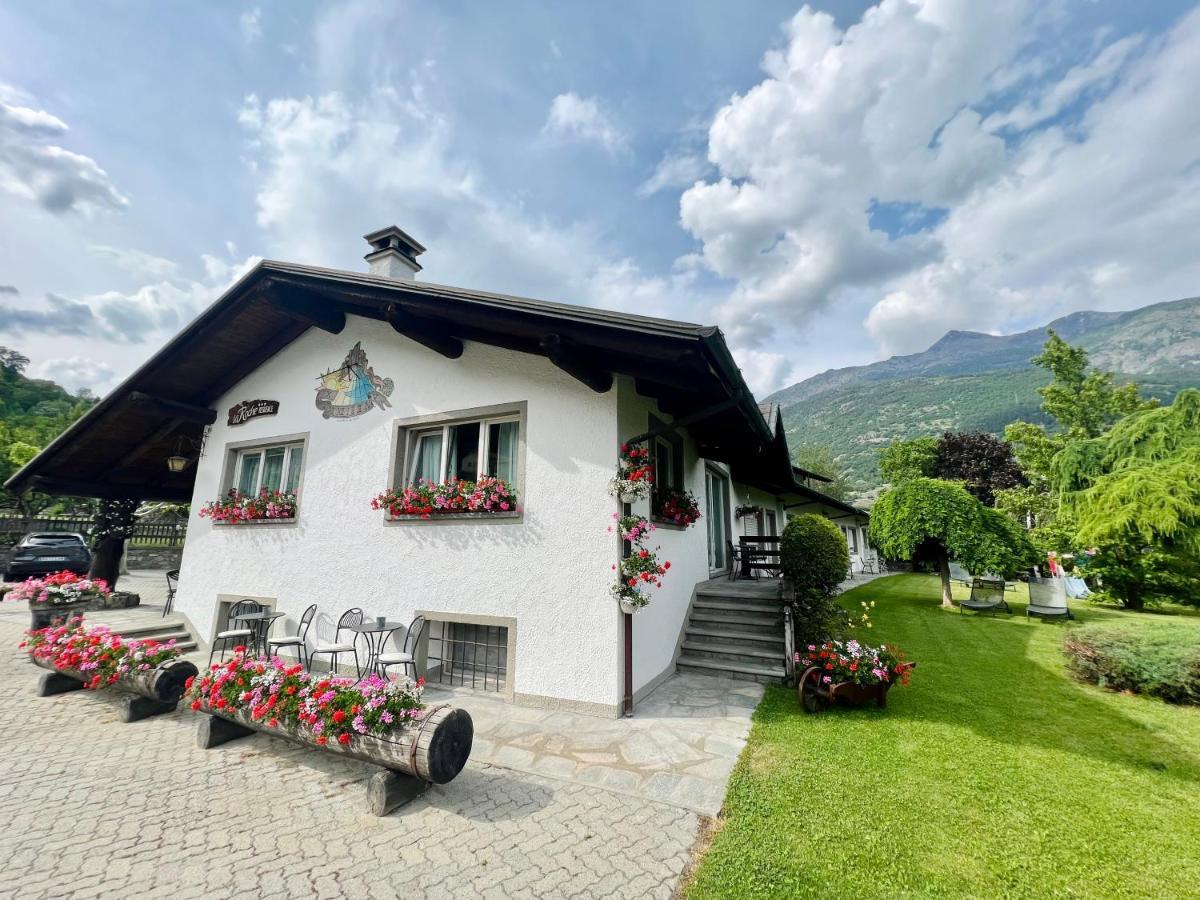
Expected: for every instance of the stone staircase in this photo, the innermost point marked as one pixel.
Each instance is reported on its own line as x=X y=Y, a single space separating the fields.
x=143 y=624
x=735 y=630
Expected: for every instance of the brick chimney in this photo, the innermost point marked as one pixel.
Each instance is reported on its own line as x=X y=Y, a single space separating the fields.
x=393 y=254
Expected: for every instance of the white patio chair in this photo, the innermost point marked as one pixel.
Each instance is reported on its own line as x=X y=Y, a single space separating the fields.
x=406 y=657
x=1048 y=598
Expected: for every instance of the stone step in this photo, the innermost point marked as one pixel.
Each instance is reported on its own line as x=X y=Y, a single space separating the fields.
x=744 y=671
x=718 y=618
x=735 y=605
x=732 y=632
x=730 y=651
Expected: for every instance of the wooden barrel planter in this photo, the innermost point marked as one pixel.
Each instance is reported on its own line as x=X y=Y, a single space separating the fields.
x=149 y=693
x=816 y=696
x=432 y=750
x=51 y=615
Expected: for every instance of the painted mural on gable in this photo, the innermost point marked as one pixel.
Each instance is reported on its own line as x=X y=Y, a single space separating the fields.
x=353 y=389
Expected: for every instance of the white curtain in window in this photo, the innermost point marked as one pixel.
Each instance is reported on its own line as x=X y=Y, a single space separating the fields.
x=272 y=475
x=502 y=451
x=248 y=479
x=295 y=460
x=428 y=463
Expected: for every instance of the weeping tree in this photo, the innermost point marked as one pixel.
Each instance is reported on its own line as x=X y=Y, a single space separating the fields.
x=927 y=519
x=1134 y=494
x=112 y=526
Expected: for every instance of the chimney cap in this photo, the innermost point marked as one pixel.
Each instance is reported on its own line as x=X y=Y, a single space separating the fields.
x=393 y=238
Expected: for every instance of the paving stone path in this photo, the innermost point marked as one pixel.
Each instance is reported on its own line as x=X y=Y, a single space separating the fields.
x=92 y=807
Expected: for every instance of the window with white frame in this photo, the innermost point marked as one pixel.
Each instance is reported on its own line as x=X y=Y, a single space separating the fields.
x=274 y=467
x=464 y=449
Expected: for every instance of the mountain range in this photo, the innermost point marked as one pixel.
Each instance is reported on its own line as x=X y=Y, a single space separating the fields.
x=974 y=381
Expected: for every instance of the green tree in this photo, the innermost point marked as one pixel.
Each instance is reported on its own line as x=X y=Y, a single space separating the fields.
x=902 y=461
x=1084 y=401
x=1134 y=493
x=821 y=460
x=933 y=520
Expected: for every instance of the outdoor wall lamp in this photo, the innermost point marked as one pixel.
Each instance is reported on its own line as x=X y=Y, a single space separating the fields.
x=177 y=461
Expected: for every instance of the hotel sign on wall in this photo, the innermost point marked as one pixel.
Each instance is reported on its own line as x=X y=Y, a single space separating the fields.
x=252 y=409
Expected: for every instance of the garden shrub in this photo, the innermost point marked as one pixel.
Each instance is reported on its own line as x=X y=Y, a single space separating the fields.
x=1161 y=659
x=815 y=559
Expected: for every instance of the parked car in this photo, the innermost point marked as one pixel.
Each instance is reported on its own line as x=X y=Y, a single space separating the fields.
x=43 y=552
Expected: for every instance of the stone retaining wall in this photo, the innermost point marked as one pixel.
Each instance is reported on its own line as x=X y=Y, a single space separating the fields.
x=135 y=557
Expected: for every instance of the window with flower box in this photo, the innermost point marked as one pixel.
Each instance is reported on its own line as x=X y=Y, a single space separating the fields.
x=480 y=446
x=261 y=482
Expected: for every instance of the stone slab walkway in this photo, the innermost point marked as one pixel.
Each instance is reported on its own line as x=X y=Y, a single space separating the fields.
x=678 y=748
x=552 y=804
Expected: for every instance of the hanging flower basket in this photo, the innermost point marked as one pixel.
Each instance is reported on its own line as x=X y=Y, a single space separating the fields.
x=635 y=475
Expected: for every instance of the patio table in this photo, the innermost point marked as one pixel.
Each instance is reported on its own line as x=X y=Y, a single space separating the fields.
x=376 y=633
x=260 y=624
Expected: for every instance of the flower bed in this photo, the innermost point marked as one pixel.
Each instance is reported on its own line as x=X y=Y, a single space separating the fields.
x=849 y=662
x=103 y=658
x=236 y=508
x=426 y=499
x=59 y=589
x=274 y=694
x=677 y=507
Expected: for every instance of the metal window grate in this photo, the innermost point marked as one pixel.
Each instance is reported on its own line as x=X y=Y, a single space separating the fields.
x=464 y=654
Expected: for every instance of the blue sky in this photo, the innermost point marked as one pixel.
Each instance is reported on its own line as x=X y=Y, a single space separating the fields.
x=829 y=186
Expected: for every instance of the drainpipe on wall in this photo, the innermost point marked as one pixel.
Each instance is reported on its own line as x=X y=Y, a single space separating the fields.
x=627 y=704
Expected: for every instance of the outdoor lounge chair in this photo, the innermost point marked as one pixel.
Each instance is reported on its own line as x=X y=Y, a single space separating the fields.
x=1048 y=598
x=958 y=573
x=987 y=594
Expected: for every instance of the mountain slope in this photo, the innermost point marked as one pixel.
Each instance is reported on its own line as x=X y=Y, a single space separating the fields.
x=969 y=381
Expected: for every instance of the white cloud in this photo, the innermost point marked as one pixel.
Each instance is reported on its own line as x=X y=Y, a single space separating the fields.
x=137 y=262
x=1097 y=73
x=151 y=311
x=35 y=168
x=77 y=373
x=1087 y=219
x=576 y=118
x=892 y=111
x=251 y=25
x=675 y=171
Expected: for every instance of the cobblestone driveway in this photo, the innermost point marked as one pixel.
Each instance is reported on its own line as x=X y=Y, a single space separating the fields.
x=92 y=807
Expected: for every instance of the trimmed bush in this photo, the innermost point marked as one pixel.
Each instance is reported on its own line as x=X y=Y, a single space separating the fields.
x=814 y=558
x=1161 y=659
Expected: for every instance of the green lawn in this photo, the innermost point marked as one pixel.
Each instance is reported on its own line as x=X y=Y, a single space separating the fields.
x=992 y=774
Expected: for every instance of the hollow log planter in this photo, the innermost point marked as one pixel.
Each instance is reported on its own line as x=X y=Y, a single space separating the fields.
x=146 y=694
x=432 y=750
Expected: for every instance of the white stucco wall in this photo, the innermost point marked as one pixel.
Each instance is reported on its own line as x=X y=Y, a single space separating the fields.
x=549 y=571
x=657 y=627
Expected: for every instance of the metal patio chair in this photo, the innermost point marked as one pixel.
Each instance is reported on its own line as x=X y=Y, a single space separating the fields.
x=350 y=618
x=1048 y=598
x=172 y=586
x=299 y=640
x=407 y=656
x=234 y=633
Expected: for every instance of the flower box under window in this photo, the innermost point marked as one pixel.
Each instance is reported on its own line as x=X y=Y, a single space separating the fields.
x=236 y=508
x=487 y=497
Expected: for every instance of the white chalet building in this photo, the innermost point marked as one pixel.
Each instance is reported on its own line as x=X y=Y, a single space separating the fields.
x=337 y=385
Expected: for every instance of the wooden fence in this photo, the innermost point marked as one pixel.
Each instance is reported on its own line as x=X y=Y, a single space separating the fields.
x=154 y=534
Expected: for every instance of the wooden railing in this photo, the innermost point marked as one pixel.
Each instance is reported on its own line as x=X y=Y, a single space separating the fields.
x=759 y=554
x=160 y=534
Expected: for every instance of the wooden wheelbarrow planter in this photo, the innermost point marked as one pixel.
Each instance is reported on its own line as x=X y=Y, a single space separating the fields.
x=146 y=694
x=817 y=697
x=432 y=750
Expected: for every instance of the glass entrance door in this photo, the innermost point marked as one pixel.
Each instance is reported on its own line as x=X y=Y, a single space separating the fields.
x=717 y=490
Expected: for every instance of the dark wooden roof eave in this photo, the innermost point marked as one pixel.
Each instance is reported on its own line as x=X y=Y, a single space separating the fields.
x=248 y=324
